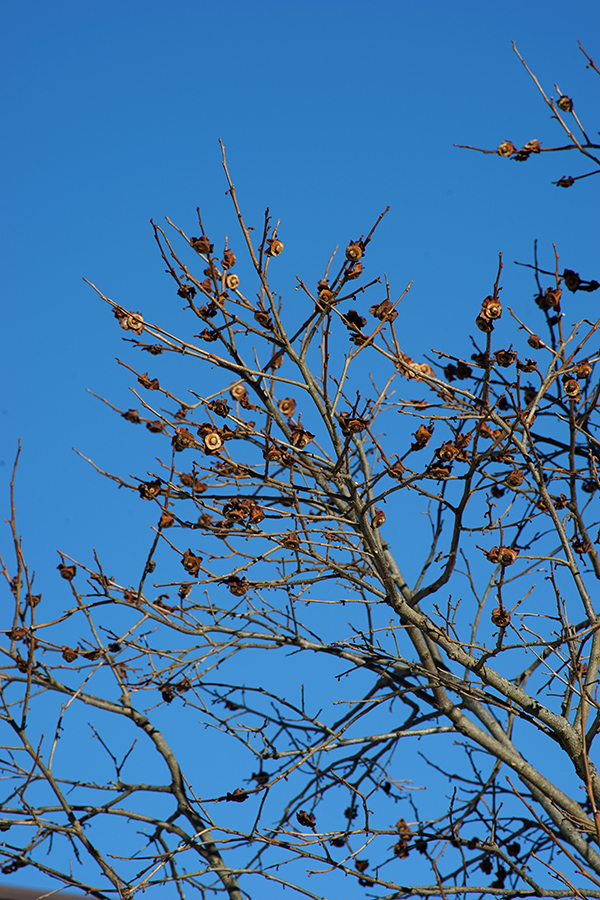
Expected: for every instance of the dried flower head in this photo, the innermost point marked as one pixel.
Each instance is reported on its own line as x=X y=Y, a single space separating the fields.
x=232 y=281
x=274 y=247
x=506 y=148
x=191 y=563
x=565 y=103
x=354 y=251
x=500 y=617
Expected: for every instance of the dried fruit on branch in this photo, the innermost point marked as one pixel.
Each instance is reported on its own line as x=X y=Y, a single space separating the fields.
x=213 y=442
x=301 y=438
x=287 y=407
x=352 y=424
x=506 y=148
x=150 y=384
x=201 y=244
x=183 y=439
x=305 y=818
x=232 y=282
x=191 y=563
x=129 y=321
x=505 y=556
x=274 y=247
x=354 y=251
x=67 y=572
x=149 y=489
x=384 y=311
x=500 y=617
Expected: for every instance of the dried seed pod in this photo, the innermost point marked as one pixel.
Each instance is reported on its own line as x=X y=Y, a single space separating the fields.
x=535 y=342
x=239 y=391
x=191 y=563
x=378 y=518
x=228 y=261
x=497 y=492
x=571 y=279
x=301 y=438
x=237 y=586
x=166 y=520
x=505 y=358
x=422 y=436
x=213 y=442
x=529 y=394
x=354 y=251
x=506 y=148
x=272 y=453
x=521 y=155
x=69 y=654
x=219 y=407
x=500 y=617
x=438 y=471
x=183 y=439
x=384 y=311
x=532 y=146
x=232 y=281
x=274 y=247
x=550 y=299
x=447 y=452
x=352 y=317
x=582 y=370
x=187 y=291
x=566 y=181
x=325 y=298
x=149 y=490
x=515 y=478
x=505 y=556
x=396 y=470
x=155 y=426
x=287 y=407
x=306 y=819
x=565 y=103
x=148 y=383
x=350 y=424
x=484 y=324
x=361 y=864
x=529 y=365
x=290 y=540
x=355 y=272
x=571 y=387
x=132 y=415
x=491 y=308
x=264 y=319
x=201 y=244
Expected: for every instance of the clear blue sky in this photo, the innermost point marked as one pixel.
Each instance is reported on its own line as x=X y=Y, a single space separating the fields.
x=329 y=112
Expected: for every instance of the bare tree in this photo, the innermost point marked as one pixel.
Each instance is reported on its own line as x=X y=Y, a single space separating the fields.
x=363 y=568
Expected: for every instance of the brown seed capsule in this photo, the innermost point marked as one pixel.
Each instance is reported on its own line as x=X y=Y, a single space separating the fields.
x=149 y=384
x=384 y=311
x=324 y=299
x=264 y=319
x=350 y=424
x=566 y=181
x=505 y=556
x=571 y=279
x=183 y=439
x=275 y=247
x=166 y=520
x=201 y=244
x=69 y=655
x=422 y=436
x=155 y=426
x=506 y=148
x=228 y=261
x=301 y=438
x=212 y=442
x=191 y=563
x=484 y=324
x=505 y=358
x=515 y=478
x=149 y=489
x=396 y=470
x=237 y=586
x=354 y=272
x=491 y=308
x=535 y=342
x=290 y=540
x=571 y=388
x=378 y=518
x=238 y=391
x=582 y=370
x=361 y=864
x=354 y=251
x=219 y=407
x=532 y=146
x=565 y=103
x=232 y=282
x=306 y=819
x=529 y=365
x=132 y=415
x=287 y=407
x=500 y=617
